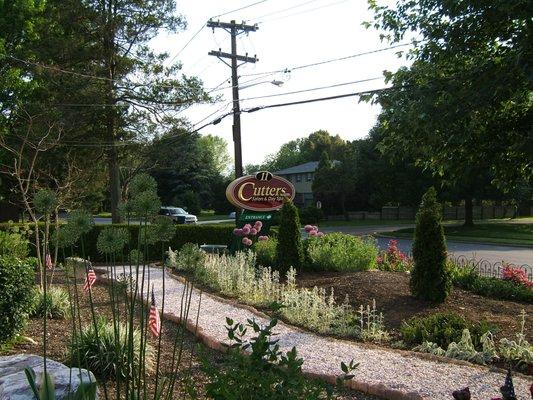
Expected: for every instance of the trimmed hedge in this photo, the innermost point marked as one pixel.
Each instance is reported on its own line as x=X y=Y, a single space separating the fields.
x=197 y=234
x=16 y=295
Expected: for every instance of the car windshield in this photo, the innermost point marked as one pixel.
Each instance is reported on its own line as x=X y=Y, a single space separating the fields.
x=176 y=211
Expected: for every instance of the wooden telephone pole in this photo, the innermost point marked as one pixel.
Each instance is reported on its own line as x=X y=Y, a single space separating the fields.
x=234 y=30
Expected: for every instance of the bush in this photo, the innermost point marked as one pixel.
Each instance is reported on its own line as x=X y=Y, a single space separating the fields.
x=469 y=279
x=290 y=249
x=265 y=373
x=13 y=244
x=16 y=294
x=341 y=252
x=98 y=351
x=57 y=302
x=311 y=215
x=198 y=234
x=393 y=259
x=266 y=252
x=441 y=329
x=430 y=279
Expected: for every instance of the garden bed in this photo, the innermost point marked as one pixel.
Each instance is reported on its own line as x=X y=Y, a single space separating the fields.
x=59 y=330
x=394 y=299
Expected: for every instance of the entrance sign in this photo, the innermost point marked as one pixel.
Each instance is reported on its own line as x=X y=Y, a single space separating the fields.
x=260 y=192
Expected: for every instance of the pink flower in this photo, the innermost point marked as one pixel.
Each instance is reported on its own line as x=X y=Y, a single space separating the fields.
x=253 y=231
x=315 y=228
x=246 y=230
x=262 y=238
x=258 y=225
x=246 y=241
x=308 y=228
x=313 y=233
x=379 y=259
x=247 y=226
x=237 y=232
x=320 y=234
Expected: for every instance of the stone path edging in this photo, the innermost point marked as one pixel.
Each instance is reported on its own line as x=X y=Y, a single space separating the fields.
x=387 y=373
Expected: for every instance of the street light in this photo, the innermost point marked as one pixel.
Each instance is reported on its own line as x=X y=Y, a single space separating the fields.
x=274 y=82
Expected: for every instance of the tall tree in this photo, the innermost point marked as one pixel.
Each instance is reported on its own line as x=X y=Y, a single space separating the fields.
x=463 y=108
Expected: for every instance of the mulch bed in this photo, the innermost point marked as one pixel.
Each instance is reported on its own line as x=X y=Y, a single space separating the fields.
x=190 y=373
x=393 y=298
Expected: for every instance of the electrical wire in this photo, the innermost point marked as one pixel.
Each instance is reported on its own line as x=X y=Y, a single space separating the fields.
x=313 y=89
x=283 y=10
x=290 y=69
x=239 y=9
x=187 y=44
x=303 y=12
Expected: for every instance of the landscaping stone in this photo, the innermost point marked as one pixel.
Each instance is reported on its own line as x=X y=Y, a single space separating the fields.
x=14 y=383
x=387 y=373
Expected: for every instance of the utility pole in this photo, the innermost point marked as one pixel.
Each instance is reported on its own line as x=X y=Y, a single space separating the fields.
x=234 y=30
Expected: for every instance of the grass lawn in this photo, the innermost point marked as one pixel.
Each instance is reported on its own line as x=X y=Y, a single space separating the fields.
x=517 y=232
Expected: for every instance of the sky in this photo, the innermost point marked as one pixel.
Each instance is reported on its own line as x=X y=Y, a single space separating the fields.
x=290 y=33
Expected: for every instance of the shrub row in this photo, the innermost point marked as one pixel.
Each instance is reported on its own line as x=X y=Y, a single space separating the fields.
x=468 y=278
x=197 y=234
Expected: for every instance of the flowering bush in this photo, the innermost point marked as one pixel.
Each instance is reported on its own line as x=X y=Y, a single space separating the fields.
x=516 y=275
x=393 y=259
x=312 y=231
x=249 y=233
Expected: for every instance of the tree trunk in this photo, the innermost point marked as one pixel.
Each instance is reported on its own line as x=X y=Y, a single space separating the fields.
x=114 y=183
x=469 y=212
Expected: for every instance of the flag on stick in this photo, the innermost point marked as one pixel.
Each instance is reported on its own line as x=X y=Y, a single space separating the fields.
x=154 y=323
x=89 y=280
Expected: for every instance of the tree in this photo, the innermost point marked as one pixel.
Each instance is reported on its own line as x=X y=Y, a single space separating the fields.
x=290 y=248
x=463 y=108
x=89 y=68
x=430 y=279
x=214 y=150
x=335 y=180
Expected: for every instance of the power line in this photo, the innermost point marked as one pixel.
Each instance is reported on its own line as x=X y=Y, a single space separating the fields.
x=313 y=89
x=303 y=12
x=283 y=10
x=239 y=9
x=290 y=69
x=187 y=44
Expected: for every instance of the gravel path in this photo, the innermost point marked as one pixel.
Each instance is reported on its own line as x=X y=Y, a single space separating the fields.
x=383 y=372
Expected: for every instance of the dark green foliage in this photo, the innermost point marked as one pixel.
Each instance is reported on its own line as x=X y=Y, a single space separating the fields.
x=311 y=215
x=430 y=278
x=441 y=328
x=491 y=287
x=266 y=373
x=266 y=252
x=290 y=248
x=16 y=294
x=198 y=234
x=191 y=202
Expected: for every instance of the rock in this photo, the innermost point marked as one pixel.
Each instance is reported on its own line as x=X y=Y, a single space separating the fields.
x=14 y=384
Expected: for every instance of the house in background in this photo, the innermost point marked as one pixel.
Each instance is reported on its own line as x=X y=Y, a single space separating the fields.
x=301 y=176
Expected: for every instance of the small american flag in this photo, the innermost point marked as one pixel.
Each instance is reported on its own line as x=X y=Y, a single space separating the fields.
x=154 y=323
x=48 y=261
x=89 y=280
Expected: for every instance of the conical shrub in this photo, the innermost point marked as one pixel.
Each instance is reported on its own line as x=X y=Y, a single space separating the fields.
x=430 y=279
x=290 y=249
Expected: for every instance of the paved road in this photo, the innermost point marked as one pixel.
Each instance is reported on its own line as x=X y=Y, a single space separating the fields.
x=490 y=252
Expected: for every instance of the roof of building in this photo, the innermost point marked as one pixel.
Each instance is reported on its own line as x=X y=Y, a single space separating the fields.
x=310 y=166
